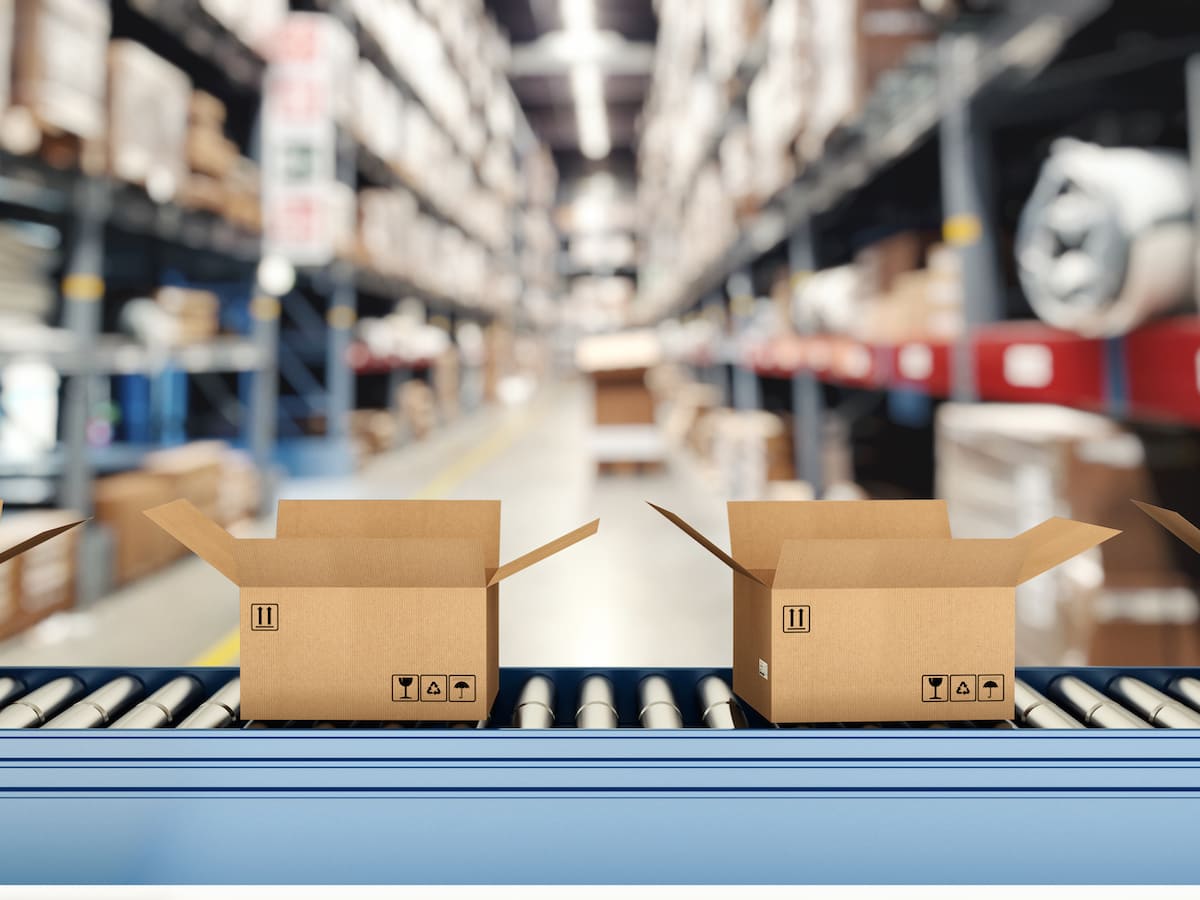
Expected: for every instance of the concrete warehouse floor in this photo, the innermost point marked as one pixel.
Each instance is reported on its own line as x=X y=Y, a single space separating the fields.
x=637 y=594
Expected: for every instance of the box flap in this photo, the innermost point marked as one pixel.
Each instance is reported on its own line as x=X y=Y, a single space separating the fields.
x=40 y=538
x=1173 y=522
x=710 y=546
x=758 y=529
x=899 y=563
x=359 y=562
x=478 y=519
x=544 y=551
x=198 y=533
x=1055 y=541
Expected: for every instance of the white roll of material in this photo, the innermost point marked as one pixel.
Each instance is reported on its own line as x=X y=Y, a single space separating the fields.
x=1106 y=239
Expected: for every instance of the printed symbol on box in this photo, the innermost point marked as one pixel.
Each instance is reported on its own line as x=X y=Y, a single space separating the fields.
x=796 y=619
x=264 y=617
x=991 y=687
x=962 y=687
x=404 y=689
x=933 y=689
x=462 y=688
x=434 y=688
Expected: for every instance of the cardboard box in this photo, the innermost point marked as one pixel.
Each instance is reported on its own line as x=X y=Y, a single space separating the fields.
x=371 y=610
x=36 y=578
x=148 y=119
x=192 y=471
x=852 y=611
x=58 y=64
x=139 y=547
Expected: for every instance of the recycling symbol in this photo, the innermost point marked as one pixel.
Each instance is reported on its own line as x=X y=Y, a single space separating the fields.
x=962 y=688
x=433 y=688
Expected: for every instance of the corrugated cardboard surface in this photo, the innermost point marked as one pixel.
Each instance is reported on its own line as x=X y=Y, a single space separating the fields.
x=337 y=652
x=869 y=652
x=356 y=598
x=864 y=611
x=623 y=403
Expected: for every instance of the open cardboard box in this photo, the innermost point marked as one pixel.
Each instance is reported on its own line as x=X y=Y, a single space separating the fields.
x=869 y=611
x=1173 y=522
x=373 y=610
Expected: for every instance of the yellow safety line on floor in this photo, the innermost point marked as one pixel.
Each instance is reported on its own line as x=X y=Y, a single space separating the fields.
x=225 y=652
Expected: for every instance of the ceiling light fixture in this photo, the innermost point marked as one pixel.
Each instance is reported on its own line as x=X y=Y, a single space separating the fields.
x=587 y=82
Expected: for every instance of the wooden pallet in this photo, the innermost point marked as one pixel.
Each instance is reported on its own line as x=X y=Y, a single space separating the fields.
x=630 y=467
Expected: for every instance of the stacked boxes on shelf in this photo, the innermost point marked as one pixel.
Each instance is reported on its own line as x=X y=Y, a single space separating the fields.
x=148 y=101
x=1001 y=467
x=625 y=430
x=37 y=575
x=55 y=70
x=222 y=482
x=705 y=164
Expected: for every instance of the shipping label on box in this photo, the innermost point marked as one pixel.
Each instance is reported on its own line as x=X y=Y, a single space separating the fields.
x=868 y=611
x=366 y=610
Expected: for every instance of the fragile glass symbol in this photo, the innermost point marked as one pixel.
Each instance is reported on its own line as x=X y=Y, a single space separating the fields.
x=935 y=682
x=405 y=682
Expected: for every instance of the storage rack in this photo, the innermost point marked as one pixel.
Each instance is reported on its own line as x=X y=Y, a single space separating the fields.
x=1028 y=64
x=627 y=804
x=290 y=363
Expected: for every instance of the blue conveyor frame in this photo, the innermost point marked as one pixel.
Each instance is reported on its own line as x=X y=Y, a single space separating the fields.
x=501 y=805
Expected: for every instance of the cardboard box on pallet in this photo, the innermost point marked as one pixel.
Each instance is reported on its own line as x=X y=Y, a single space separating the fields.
x=868 y=611
x=373 y=610
x=36 y=578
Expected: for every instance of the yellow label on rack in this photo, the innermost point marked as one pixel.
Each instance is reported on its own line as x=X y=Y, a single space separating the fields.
x=83 y=288
x=799 y=277
x=264 y=308
x=961 y=229
x=741 y=305
x=341 y=318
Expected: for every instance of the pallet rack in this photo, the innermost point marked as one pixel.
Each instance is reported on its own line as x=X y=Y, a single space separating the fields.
x=292 y=360
x=1028 y=65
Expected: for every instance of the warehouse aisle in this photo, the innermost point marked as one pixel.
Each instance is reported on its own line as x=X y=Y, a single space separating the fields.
x=639 y=593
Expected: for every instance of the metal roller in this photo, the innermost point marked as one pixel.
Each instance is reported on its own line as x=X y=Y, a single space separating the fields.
x=719 y=708
x=1186 y=689
x=535 y=705
x=32 y=710
x=161 y=708
x=219 y=710
x=597 y=706
x=656 y=704
x=1153 y=705
x=1093 y=707
x=10 y=688
x=97 y=708
x=1036 y=711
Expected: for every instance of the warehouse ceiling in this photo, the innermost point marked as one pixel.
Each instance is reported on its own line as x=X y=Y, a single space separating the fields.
x=554 y=43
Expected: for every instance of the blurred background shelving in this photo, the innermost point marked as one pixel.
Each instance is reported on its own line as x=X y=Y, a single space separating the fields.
x=837 y=248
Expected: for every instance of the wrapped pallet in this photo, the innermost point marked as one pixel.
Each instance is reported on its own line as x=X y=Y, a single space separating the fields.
x=1106 y=239
x=148 y=120
x=56 y=101
x=853 y=43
